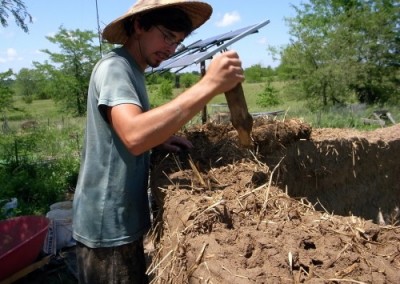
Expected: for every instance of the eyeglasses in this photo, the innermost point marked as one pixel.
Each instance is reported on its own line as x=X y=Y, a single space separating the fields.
x=169 y=40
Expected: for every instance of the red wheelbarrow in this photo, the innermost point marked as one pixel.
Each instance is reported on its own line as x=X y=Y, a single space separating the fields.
x=21 y=240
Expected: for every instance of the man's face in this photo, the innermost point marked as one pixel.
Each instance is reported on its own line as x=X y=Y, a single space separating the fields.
x=162 y=43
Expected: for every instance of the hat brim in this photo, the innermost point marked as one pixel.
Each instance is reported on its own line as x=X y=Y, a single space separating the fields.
x=198 y=12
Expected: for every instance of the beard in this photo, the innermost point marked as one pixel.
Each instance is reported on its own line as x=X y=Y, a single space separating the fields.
x=153 y=64
x=159 y=57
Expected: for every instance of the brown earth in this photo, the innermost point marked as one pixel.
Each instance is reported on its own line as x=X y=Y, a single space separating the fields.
x=302 y=206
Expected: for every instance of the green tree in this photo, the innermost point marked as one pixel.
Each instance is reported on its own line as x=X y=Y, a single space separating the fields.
x=166 y=76
x=258 y=74
x=25 y=85
x=188 y=79
x=42 y=75
x=18 y=9
x=254 y=74
x=152 y=79
x=6 y=92
x=71 y=68
x=34 y=84
x=344 y=48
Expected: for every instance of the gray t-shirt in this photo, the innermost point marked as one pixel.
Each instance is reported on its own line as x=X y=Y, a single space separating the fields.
x=111 y=203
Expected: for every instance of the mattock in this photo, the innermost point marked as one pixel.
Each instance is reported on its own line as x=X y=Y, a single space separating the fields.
x=241 y=119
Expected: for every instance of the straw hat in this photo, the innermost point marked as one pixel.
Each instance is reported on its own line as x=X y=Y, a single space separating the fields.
x=198 y=12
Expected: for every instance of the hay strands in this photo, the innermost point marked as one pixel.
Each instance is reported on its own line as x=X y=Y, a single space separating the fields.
x=198 y=260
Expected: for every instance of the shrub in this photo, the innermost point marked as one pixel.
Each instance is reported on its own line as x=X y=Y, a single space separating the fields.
x=38 y=168
x=165 y=90
x=268 y=97
x=188 y=79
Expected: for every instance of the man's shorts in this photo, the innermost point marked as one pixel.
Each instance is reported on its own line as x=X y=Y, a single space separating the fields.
x=122 y=264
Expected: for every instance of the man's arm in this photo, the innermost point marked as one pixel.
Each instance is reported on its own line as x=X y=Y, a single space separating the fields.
x=141 y=131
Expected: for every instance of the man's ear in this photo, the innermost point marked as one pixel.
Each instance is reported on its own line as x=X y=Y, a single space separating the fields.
x=137 y=27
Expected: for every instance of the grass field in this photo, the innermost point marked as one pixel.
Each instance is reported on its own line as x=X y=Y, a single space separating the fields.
x=46 y=111
x=335 y=117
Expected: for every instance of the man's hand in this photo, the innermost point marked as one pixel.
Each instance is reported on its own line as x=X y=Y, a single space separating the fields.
x=224 y=72
x=176 y=144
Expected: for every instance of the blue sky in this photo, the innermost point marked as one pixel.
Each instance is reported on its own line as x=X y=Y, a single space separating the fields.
x=19 y=49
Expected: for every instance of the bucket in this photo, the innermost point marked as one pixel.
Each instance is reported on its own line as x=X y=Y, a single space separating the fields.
x=61 y=205
x=60 y=229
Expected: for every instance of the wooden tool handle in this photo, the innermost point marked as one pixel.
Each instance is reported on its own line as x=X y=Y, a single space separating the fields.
x=241 y=119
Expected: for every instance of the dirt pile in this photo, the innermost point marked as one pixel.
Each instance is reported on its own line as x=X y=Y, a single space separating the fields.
x=230 y=215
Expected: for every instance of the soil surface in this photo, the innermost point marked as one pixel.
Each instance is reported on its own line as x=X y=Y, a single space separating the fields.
x=302 y=206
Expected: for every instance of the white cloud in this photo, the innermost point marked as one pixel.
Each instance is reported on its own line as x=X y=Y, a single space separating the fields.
x=229 y=19
x=11 y=53
x=263 y=41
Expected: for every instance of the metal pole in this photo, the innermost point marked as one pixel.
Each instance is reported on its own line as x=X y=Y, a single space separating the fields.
x=98 y=29
x=204 y=112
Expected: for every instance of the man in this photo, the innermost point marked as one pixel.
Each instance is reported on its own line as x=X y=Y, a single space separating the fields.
x=111 y=212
